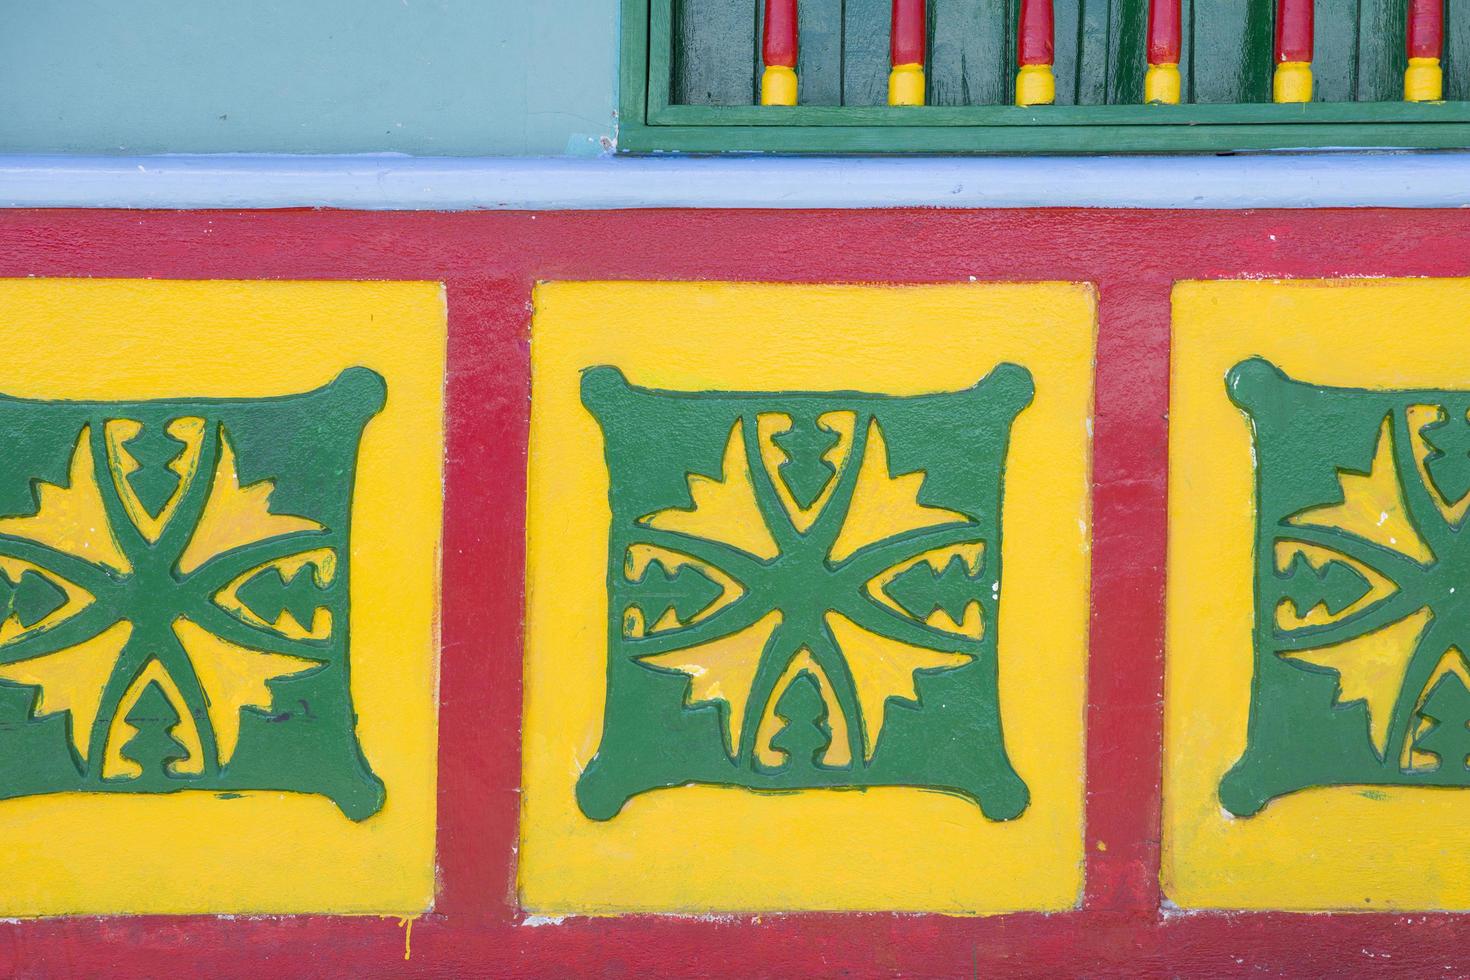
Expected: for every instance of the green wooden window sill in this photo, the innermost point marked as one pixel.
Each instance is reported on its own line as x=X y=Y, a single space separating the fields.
x=676 y=67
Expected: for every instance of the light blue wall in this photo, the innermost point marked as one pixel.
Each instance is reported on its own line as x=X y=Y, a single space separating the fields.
x=449 y=77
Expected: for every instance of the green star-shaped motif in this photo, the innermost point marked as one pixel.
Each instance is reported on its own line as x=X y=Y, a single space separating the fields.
x=855 y=540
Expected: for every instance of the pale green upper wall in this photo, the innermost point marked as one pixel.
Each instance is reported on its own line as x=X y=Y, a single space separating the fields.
x=454 y=77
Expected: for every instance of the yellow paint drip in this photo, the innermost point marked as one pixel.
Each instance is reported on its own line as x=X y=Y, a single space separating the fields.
x=407 y=924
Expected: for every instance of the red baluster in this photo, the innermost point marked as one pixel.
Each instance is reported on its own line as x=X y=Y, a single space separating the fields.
x=1294 y=28
x=906 y=51
x=778 y=50
x=1162 y=84
x=1424 y=79
x=1035 y=82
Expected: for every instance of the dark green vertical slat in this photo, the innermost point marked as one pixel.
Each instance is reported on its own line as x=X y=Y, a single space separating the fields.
x=1233 y=42
x=715 y=52
x=1186 y=51
x=1381 y=56
x=967 y=45
x=1128 y=47
x=1093 y=29
x=1335 y=51
x=1068 y=14
x=866 y=25
x=661 y=53
x=819 y=62
x=1457 y=50
x=1013 y=24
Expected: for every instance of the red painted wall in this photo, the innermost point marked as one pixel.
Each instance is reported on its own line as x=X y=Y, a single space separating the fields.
x=489 y=262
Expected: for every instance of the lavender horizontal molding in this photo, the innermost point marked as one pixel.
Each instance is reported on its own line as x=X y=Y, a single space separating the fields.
x=393 y=182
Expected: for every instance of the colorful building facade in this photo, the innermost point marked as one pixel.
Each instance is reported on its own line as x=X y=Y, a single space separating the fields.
x=735 y=488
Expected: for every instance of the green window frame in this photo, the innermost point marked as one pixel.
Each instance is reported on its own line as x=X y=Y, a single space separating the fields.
x=684 y=79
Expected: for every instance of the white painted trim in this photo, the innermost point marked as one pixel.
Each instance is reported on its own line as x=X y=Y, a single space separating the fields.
x=1301 y=180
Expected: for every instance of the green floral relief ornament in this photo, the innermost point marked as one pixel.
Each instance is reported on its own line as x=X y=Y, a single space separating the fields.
x=1362 y=588
x=174 y=595
x=803 y=590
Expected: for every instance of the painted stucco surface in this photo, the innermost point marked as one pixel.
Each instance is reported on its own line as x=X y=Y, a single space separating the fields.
x=436 y=77
x=168 y=849
x=490 y=266
x=896 y=847
x=1342 y=833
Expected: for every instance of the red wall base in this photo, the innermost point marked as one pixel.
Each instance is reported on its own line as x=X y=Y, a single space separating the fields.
x=489 y=262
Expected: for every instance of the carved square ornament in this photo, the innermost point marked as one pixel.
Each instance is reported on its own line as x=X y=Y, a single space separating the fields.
x=807 y=597
x=206 y=488
x=1318 y=696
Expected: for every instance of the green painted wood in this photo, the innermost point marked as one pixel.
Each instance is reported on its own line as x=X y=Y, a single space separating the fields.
x=660 y=78
x=1036 y=117
x=1127 y=51
x=1186 y=51
x=865 y=52
x=1083 y=53
x=819 y=61
x=1101 y=62
x=1100 y=44
x=715 y=52
x=1335 y=56
x=1381 y=54
x=1067 y=15
x=968 y=52
x=1038 y=139
x=1457 y=50
x=1232 y=42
